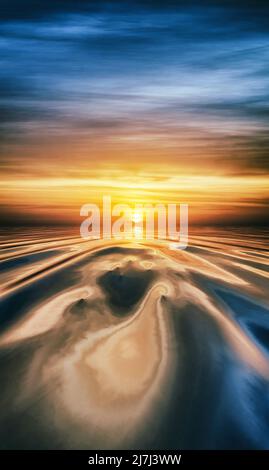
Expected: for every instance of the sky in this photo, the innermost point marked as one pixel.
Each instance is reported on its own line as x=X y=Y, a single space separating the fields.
x=148 y=101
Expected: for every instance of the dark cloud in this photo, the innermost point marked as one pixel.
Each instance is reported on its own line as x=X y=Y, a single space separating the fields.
x=16 y=9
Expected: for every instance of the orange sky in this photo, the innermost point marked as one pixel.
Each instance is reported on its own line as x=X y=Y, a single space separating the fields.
x=212 y=199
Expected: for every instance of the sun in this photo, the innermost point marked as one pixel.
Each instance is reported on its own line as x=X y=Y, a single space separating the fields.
x=137 y=219
x=137 y=216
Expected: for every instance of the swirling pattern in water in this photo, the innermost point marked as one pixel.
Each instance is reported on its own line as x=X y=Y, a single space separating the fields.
x=107 y=345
